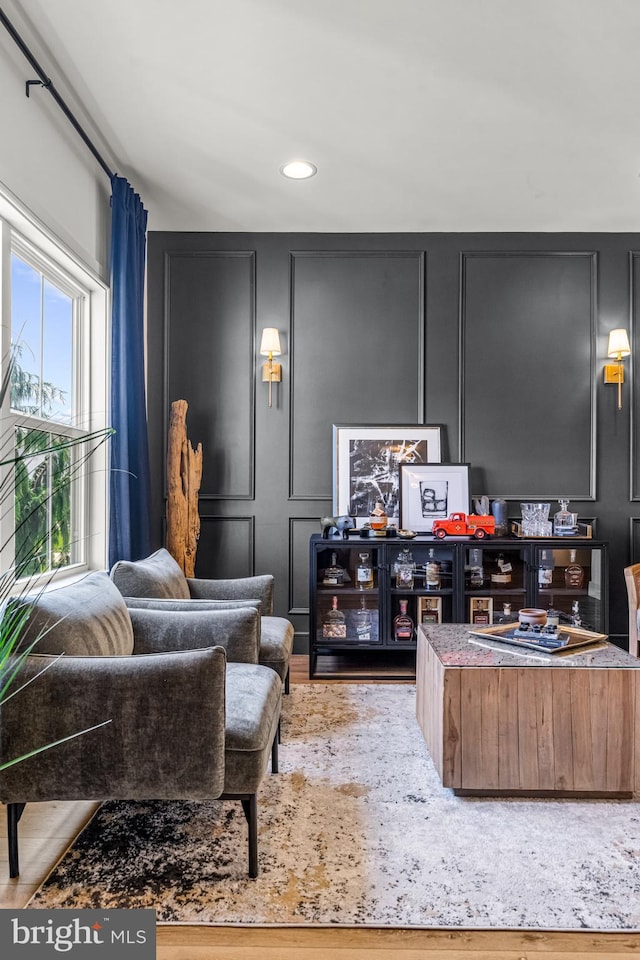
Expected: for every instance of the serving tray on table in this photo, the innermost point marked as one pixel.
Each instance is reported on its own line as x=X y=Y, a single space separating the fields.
x=571 y=637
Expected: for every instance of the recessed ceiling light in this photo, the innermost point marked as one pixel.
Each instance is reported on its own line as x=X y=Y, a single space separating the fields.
x=298 y=169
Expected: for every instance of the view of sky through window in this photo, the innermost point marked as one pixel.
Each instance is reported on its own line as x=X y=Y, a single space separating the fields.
x=42 y=332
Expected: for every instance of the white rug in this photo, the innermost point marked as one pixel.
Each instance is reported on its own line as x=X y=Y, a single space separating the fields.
x=357 y=829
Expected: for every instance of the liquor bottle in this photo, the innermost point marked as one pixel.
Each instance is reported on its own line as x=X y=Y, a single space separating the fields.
x=364 y=573
x=565 y=523
x=334 y=626
x=363 y=622
x=404 y=570
x=430 y=613
x=475 y=567
x=576 y=619
x=378 y=520
x=403 y=624
x=545 y=569
x=334 y=576
x=503 y=573
x=574 y=573
x=432 y=568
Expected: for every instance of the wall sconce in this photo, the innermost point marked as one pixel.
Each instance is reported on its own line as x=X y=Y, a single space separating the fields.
x=270 y=347
x=617 y=349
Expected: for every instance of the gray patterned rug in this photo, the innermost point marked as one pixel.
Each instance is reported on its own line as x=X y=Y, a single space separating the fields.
x=356 y=829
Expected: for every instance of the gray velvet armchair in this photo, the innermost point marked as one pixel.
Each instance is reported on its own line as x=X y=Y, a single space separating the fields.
x=159 y=578
x=182 y=722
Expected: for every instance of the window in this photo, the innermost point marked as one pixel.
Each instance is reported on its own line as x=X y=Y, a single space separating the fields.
x=53 y=494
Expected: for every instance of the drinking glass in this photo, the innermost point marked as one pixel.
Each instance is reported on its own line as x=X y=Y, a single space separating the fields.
x=542 y=524
x=528 y=518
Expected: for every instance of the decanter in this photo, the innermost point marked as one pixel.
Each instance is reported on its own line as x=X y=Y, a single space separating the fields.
x=334 y=625
x=565 y=523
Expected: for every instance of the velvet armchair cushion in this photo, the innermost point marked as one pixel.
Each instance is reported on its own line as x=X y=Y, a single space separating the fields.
x=164 y=739
x=156 y=576
x=87 y=618
x=236 y=630
x=238 y=588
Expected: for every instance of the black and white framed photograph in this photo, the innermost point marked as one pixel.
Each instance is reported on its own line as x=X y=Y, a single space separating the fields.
x=366 y=464
x=431 y=492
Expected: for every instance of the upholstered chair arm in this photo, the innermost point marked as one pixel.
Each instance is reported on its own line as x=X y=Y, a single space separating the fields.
x=164 y=739
x=242 y=588
x=160 y=630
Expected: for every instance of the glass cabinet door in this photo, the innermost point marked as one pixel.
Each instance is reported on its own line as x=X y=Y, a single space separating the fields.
x=347 y=596
x=570 y=579
x=495 y=583
x=421 y=579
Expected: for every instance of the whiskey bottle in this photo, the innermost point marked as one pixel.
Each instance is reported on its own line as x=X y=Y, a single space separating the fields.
x=364 y=572
x=503 y=574
x=430 y=613
x=432 y=567
x=545 y=569
x=475 y=567
x=404 y=570
x=403 y=624
x=363 y=622
x=378 y=520
x=574 y=573
x=334 y=625
x=334 y=576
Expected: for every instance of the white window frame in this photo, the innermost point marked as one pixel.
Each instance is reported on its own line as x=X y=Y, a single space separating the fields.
x=23 y=234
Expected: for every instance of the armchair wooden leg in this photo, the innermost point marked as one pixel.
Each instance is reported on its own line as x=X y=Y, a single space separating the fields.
x=286 y=681
x=14 y=812
x=250 y=807
x=274 y=751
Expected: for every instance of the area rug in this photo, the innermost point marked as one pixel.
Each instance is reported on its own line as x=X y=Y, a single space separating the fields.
x=357 y=829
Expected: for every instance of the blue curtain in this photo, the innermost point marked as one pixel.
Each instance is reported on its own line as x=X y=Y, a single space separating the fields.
x=130 y=486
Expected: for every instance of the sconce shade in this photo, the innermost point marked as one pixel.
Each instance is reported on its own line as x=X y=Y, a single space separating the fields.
x=618 y=344
x=270 y=343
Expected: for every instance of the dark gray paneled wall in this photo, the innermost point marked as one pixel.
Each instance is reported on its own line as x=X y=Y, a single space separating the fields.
x=499 y=337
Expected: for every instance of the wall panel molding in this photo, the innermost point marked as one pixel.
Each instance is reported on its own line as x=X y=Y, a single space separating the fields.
x=209 y=360
x=342 y=303
x=634 y=415
x=226 y=547
x=527 y=333
x=300 y=531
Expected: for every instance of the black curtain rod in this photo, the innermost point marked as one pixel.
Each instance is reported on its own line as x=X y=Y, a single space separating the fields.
x=47 y=83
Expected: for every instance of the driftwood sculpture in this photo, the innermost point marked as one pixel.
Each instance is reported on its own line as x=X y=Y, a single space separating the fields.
x=184 y=473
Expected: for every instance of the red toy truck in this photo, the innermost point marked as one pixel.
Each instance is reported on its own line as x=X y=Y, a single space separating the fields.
x=463 y=525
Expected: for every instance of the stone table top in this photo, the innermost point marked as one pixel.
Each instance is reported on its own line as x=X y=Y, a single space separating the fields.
x=455 y=646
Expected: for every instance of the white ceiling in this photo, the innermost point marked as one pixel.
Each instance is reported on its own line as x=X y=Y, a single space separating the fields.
x=421 y=115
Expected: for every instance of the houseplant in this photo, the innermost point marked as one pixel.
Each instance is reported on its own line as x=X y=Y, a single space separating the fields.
x=37 y=472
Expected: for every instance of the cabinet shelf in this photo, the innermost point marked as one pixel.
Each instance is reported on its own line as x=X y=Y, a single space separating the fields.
x=451 y=602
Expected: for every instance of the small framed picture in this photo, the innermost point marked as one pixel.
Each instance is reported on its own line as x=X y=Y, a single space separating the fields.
x=432 y=491
x=366 y=463
x=481 y=610
x=429 y=610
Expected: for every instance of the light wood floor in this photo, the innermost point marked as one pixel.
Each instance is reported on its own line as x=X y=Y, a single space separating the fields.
x=48 y=829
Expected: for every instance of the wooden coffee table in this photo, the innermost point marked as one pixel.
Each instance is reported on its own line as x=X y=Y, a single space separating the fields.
x=507 y=721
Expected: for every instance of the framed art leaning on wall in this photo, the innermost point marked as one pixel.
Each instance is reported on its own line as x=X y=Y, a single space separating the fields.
x=432 y=491
x=366 y=464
